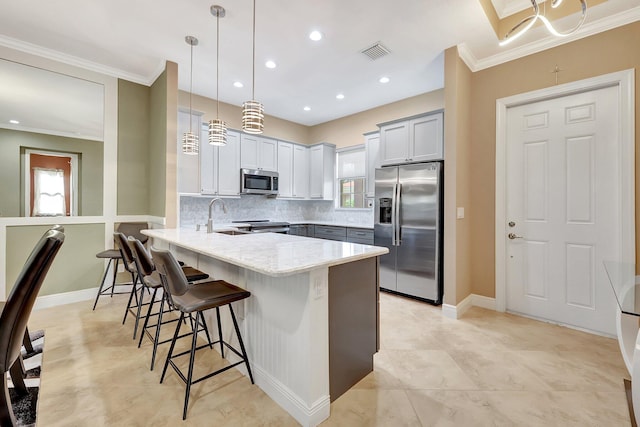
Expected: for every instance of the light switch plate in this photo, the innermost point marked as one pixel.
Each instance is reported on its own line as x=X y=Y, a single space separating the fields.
x=460 y=213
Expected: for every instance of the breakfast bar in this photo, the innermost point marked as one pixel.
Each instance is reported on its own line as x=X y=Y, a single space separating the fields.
x=311 y=324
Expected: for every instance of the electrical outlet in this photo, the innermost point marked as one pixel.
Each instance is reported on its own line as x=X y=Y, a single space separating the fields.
x=318 y=288
x=460 y=213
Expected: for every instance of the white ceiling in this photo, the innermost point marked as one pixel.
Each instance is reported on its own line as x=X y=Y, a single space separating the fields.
x=132 y=39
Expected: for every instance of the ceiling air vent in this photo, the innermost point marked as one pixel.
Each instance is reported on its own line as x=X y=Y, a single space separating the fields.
x=376 y=51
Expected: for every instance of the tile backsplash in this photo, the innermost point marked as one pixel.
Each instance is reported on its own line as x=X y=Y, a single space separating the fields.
x=194 y=210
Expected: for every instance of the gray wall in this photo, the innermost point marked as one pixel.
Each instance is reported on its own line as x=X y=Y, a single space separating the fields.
x=90 y=155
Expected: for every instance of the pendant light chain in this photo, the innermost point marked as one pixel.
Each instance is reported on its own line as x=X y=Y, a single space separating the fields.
x=217 y=127
x=190 y=141
x=253 y=111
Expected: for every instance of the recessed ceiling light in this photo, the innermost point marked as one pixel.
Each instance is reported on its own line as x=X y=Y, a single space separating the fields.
x=270 y=64
x=384 y=80
x=315 y=35
x=340 y=96
x=14 y=122
x=307 y=108
x=238 y=84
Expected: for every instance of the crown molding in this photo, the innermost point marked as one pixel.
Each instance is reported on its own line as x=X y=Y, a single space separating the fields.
x=55 y=55
x=605 y=24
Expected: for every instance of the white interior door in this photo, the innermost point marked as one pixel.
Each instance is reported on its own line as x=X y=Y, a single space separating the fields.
x=563 y=206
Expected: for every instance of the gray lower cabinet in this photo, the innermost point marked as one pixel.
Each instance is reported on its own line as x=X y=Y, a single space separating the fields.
x=301 y=230
x=330 y=232
x=363 y=236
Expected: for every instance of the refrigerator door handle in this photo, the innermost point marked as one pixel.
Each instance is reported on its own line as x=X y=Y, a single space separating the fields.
x=397 y=214
x=393 y=215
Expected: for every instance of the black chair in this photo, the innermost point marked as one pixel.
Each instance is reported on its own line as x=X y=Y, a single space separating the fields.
x=150 y=277
x=137 y=290
x=16 y=312
x=191 y=298
x=115 y=256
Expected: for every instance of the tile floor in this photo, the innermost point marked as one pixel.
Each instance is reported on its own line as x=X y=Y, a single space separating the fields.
x=486 y=369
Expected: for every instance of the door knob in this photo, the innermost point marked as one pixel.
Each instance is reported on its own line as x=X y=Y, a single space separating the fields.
x=513 y=236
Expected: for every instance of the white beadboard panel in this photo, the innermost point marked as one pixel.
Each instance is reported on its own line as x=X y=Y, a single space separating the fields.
x=580 y=284
x=284 y=325
x=580 y=170
x=536 y=269
x=536 y=121
x=535 y=180
x=580 y=113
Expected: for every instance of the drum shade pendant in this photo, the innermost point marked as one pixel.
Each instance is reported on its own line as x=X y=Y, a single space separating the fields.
x=253 y=111
x=190 y=140
x=217 y=127
x=523 y=26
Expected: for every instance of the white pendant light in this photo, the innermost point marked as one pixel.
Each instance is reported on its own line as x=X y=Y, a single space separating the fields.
x=190 y=140
x=253 y=111
x=217 y=127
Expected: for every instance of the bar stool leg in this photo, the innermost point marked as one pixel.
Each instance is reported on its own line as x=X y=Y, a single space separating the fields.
x=244 y=352
x=157 y=338
x=220 y=332
x=173 y=344
x=205 y=327
x=115 y=275
x=146 y=318
x=7 y=418
x=140 y=303
x=134 y=291
x=104 y=277
x=192 y=356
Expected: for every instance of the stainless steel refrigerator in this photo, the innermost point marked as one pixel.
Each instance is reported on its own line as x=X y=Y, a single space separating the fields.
x=408 y=221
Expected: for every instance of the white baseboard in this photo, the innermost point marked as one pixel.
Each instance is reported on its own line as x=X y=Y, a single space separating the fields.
x=308 y=416
x=457 y=311
x=65 y=298
x=484 y=302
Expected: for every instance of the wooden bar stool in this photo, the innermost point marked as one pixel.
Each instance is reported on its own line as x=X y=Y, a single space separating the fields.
x=189 y=299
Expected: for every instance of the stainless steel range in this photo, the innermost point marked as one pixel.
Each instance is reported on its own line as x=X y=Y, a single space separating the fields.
x=266 y=226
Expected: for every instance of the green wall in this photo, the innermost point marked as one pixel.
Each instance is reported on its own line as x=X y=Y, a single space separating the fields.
x=133 y=148
x=158 y=146
x=75 y=267
x=90 y=171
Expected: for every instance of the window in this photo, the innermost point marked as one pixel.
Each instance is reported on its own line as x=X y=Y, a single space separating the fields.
x=351 y=181
x=48 y=192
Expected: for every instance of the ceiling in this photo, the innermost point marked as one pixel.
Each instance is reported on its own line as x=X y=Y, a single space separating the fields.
x=132 y=39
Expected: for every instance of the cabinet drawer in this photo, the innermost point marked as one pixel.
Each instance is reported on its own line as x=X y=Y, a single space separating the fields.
x=361 y=241
x=330 y=232
x=359 y=233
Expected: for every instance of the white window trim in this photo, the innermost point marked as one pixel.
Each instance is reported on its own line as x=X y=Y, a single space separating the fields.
x=336 y=201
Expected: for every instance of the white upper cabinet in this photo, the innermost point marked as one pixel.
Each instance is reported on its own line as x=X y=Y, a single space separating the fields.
x=300 y=172
x=285 y=169
x=415 y=140
x=293 y=170
x=220 y=166
x=258 y=153
x=372 y=152
x=188 y=177
x=322 y=159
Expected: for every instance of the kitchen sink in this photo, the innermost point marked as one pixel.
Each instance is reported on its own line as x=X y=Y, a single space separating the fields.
x=232 y=232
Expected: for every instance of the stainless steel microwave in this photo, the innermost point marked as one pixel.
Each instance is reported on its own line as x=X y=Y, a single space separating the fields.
x=256 y=181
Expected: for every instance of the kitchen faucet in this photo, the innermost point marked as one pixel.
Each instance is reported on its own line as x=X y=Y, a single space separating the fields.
x=210 y=221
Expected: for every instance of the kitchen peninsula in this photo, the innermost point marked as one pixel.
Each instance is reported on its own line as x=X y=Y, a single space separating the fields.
x=311 y=324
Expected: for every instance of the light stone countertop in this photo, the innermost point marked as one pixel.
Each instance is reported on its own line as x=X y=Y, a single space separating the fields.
x=272 y=254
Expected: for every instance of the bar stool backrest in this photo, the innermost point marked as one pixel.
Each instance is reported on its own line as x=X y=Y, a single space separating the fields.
x=133 y=229
x=17 y=308
x=142 y=257
x=125 y=250
x=173 y=278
